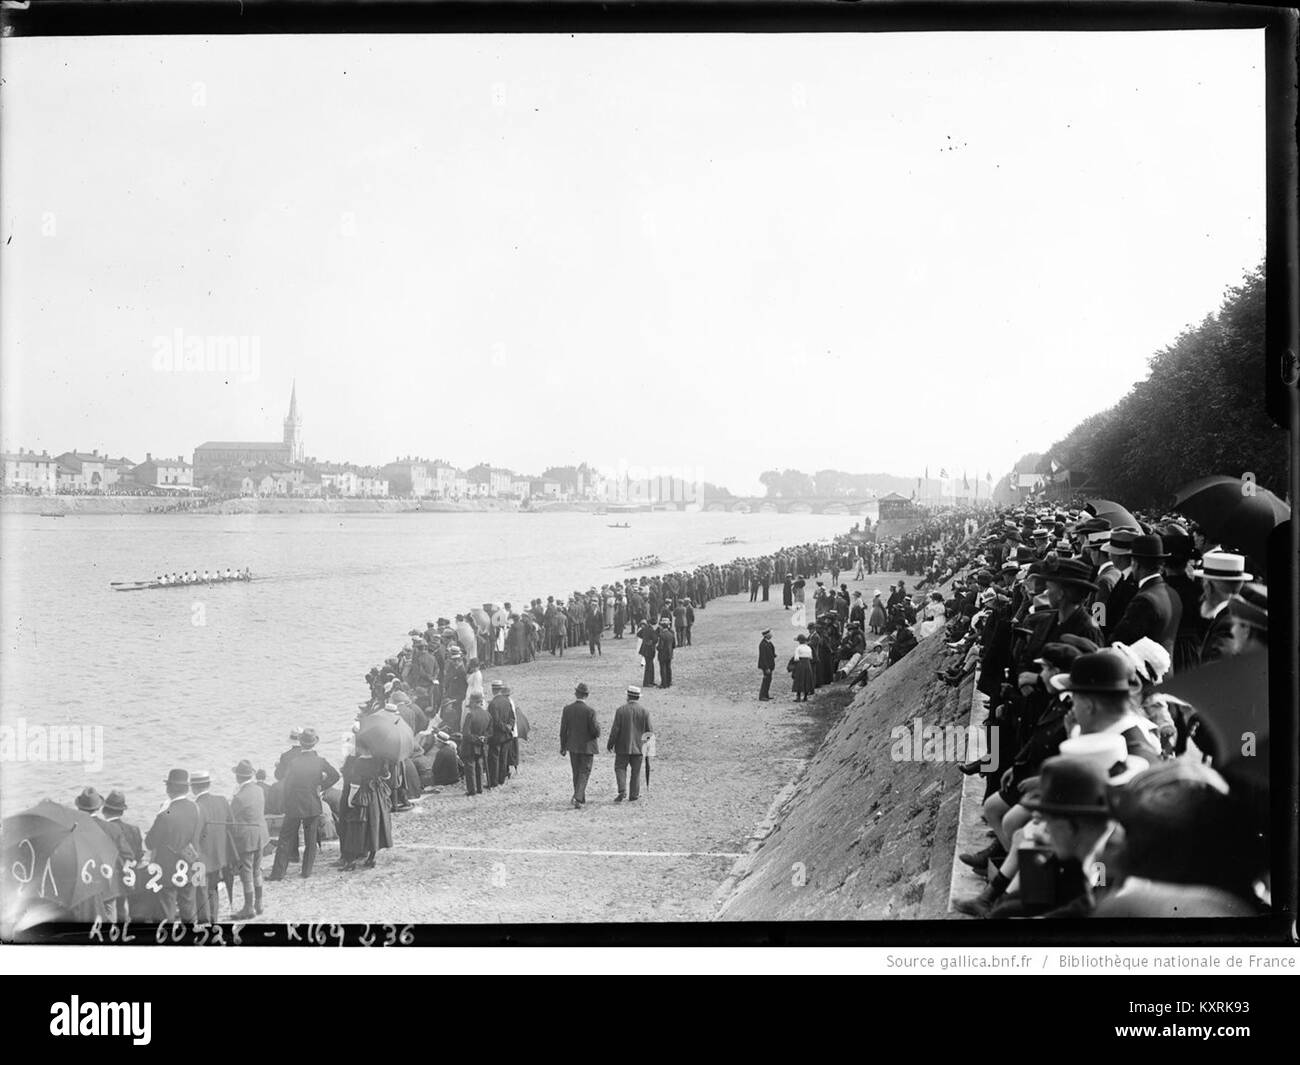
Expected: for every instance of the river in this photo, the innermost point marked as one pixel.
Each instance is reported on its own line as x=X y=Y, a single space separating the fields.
x=203 y=677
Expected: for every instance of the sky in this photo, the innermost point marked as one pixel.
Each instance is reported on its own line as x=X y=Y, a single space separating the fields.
x=716 y=253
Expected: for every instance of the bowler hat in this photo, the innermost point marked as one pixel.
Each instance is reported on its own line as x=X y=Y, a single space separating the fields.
x=89 y=801
x=1250 y=606
x=178 y=778
x=1149 y=545
x=1070 y=786
x=1101 y=671
x=244 y=769
x=1084 y=645
x=581 y=691
x=1058 y=655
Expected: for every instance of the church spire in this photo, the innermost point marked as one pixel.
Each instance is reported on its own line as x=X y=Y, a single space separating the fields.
x=293 y=427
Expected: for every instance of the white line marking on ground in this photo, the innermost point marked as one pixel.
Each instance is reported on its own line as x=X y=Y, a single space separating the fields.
x=556 y=850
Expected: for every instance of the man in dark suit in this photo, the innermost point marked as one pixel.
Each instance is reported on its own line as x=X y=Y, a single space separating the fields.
x=579 y=733
x=130 y=848
x=306 y=777
x=501 y=712
x=174 y=842
x=218 y=854
x=787 y=591
x=248 y=836
x=475 y=727
x=666 y=644
x=766 y=664
x=631 y=723
x=649 y=638
x=1154 y=611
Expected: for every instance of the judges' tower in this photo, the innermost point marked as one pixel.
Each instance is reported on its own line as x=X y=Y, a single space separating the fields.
x=293 y=427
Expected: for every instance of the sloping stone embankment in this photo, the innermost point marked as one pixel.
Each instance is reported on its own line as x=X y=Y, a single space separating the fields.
x=862 y=835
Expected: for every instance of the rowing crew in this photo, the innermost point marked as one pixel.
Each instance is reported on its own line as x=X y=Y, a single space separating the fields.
x=195 y=577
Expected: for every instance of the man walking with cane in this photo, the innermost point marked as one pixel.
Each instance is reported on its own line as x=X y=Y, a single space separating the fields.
x=631 y=722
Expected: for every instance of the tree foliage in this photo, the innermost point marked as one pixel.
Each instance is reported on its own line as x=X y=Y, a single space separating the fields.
x=1199 y=411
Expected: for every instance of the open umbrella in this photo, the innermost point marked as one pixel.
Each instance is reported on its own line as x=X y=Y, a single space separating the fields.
x=1118 y=517
x=58 y=854
x=1231 y=697
x=386 y=735
x=1237 y=513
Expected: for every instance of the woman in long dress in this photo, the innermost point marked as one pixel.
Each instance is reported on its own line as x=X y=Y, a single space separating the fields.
x=801 y=666
x=877 y=619
x=365 y=821
x=933 y=616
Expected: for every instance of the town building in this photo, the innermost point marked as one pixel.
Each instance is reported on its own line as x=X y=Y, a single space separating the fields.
x=162 y=473
x=26 y=471
x=80 y=471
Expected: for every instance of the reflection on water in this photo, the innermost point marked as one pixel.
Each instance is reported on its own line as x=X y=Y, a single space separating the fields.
x=201 y=677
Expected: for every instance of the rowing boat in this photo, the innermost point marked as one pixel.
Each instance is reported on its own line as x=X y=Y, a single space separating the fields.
x=144 y=586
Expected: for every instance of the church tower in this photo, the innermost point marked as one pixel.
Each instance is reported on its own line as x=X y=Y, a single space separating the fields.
x=293 y=427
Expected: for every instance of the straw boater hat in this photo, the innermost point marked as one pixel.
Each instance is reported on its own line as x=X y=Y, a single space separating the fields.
x=200 y=778
x=1222 y=566
x=1108 y=752
x=633 y=692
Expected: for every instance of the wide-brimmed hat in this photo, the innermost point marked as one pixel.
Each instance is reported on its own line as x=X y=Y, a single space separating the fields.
x=114 y=802
x=766 y=632
x=1067 y=571
x=1222 y=566
x=89 y=801
x=1149 y=658
x=1071 y=787
x=1108 y=752
x=1102 y=671
x=244 y=769
x=1121 y=540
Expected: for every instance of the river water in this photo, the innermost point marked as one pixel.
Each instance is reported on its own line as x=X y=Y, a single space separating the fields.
x=203 y=677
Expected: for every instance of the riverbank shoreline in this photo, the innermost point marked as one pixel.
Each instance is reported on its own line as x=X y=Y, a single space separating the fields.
x=70 y=505
x=522 y=854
